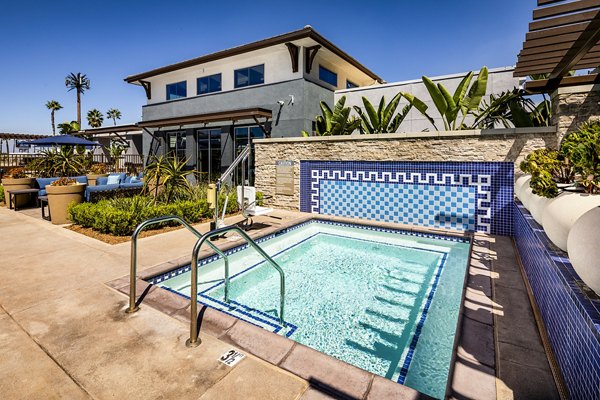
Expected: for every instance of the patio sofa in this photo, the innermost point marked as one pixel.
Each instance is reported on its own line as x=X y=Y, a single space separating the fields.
x=105 y=184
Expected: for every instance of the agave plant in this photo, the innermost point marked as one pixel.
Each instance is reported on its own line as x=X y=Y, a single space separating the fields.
x=381 y=120
x=60 y=162
x=453 y=108
x=336 y=121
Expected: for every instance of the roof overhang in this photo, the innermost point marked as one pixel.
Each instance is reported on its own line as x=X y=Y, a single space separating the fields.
x=563 y=36
x=196 y=119
x=21 y=136
x=306 y=32
x=129 y=129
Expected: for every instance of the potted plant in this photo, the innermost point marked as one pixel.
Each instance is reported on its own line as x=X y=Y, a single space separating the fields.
x=96 y=171
x=61 y=193
x=17 y=179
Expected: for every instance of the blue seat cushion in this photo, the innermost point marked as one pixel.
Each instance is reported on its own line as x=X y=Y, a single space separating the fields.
x=91 y=189
x=132 y=185
x=42 y=182
x=101 y=181
x=80 y=179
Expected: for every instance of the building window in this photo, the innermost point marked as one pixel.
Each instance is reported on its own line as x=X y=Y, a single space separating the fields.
x=327 y=76
x=208 y=142
x=176 y=90
x=209 y=84
x=249 y=76
x=350 y=85
x=176 y=144
x=243 y=135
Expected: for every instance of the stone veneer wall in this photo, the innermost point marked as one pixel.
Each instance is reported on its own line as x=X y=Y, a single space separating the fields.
x=572 y=106
x=474 y=145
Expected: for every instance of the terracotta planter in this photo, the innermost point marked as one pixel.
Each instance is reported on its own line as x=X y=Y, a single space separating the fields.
x=16 y=184
x=93 y=177
x=59 y=198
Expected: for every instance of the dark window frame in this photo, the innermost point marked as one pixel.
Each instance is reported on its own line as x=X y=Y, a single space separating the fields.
x=210 y=89
x=248 y=74
x=323 y=78
x=175 y=84
x=350 y=84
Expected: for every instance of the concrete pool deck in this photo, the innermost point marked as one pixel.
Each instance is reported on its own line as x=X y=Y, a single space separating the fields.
x=63 y=332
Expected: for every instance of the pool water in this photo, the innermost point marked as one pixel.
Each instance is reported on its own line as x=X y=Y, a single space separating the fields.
x=387 y=302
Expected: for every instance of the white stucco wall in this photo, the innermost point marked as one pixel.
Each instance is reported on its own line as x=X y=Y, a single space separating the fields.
x=499 y=80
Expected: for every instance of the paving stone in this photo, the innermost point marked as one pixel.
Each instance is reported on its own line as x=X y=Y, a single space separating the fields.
x=266 y=345
x=527 y=382
x=26 y=371
x=471 y=381
x=327 y=372
x=212 y=322
x=510 y=279
x=480 y=281
x=533 y=357
x=515 y=323
x=386 y=389
x=477 y=343
x=313 y=393
x=478 y=306
x=253 y=379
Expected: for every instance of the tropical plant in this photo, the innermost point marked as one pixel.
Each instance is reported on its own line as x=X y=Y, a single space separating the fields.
x=95 y=118
x=64 y=181
x=17 y=173
x=582 y=147
x=98 y=169
x=463 y=102
x=53 y=106
x=512 y=109
x=547 y=168
x=58 y=162
x=381 y=120
x=80 y=83
x=336 y=121
x=170 y=173
x=68 y=127
x=114 y=114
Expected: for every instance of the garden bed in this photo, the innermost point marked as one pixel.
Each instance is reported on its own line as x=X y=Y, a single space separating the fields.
x=112 y=239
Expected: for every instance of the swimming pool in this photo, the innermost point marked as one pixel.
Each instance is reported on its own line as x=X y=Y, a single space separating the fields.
x=383 y=300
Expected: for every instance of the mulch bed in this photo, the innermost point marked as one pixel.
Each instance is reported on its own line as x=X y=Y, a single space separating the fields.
x=112 y=239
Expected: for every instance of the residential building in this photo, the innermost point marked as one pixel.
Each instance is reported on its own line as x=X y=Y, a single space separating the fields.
x=205 y=108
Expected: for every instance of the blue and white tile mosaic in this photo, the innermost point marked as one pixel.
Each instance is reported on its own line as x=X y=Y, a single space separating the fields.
x=468 y=196
x=571 y=318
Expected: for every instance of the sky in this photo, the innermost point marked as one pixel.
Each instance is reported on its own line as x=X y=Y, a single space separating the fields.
x=41 y=42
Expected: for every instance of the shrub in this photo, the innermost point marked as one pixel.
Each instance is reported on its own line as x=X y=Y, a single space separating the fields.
x=1 y=194
x=121 y=216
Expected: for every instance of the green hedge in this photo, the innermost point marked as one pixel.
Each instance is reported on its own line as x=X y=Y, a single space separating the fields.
x=1 y=194
x=120 y=216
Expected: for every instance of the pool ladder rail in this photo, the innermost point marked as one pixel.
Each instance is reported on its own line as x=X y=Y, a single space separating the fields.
x=194 y=340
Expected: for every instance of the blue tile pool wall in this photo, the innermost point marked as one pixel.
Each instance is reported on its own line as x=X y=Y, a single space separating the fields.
x=571 y=318
x=468 y=196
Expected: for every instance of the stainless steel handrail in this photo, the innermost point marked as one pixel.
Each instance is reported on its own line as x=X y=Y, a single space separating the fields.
x=194 y=340
x=133 y=262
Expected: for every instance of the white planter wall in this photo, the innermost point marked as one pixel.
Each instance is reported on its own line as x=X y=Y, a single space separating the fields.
x=561 y=214
x=584 y=248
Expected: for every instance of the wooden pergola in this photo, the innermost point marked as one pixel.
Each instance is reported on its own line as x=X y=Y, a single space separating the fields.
x=562 y=37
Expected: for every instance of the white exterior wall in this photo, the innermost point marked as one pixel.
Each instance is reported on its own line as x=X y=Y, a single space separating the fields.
x=499 y=80
x=276 y=59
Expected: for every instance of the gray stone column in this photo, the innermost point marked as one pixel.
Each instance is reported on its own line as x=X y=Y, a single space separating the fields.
x=574 y=105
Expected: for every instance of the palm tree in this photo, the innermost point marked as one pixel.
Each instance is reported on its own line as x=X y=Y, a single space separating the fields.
x=68 y=127
x=53 y=106
x=95 y=118
x=80 y=83
x=114 y=114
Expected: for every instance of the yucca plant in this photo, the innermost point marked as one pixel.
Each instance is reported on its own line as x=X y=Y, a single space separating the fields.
x=336 y=121
x=453 y=108
x=169 y=173
x=381 y=120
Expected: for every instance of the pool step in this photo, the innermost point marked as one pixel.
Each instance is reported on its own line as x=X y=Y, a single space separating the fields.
x=255 y=317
